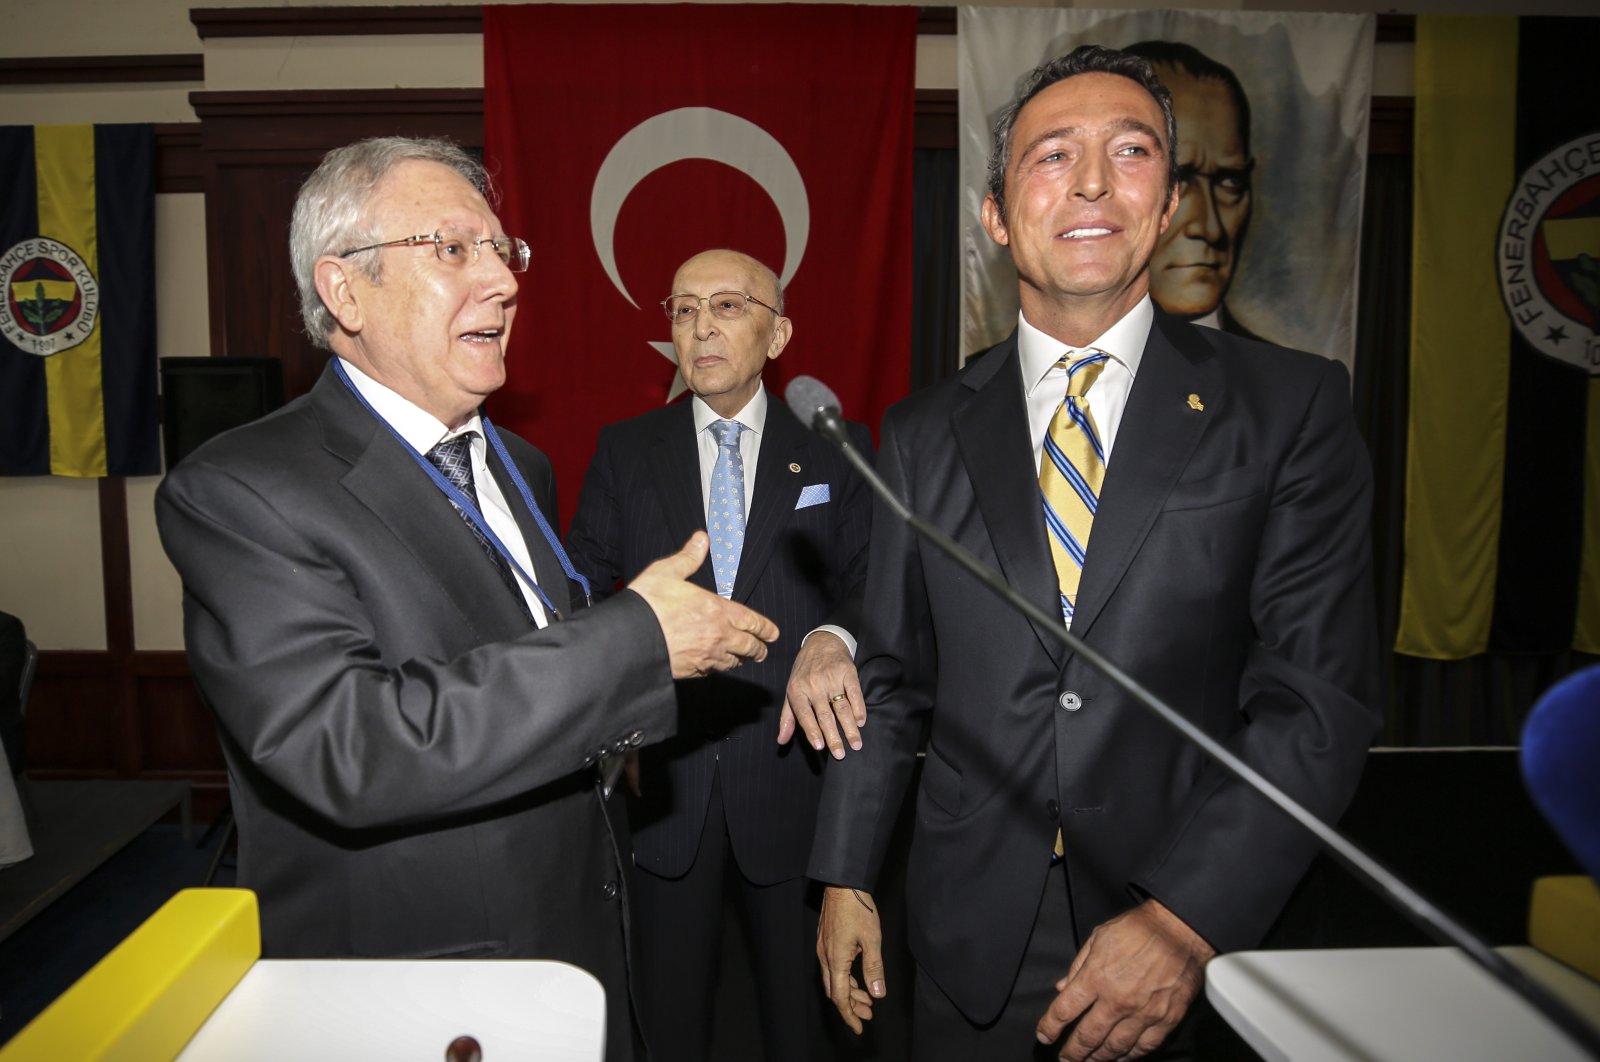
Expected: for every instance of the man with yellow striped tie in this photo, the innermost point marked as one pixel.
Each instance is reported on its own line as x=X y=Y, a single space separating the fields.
x=1196 y=506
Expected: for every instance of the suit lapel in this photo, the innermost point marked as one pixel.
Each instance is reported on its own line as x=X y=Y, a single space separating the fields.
x=1158 y=433
x=385 y=479
x=991 y=432
x=547 y=570
x=784 y=442
x=675 y=462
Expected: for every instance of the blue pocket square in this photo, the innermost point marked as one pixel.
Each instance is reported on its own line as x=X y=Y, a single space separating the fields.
x=815 y=494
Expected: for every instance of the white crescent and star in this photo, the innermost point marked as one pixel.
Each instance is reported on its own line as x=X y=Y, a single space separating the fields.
x=697 y=133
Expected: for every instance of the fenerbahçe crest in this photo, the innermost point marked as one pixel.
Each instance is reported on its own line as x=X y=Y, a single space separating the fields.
x=52 y=298
x=1548 y=255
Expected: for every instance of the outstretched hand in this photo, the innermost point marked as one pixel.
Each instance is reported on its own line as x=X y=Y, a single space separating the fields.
x=704 y=632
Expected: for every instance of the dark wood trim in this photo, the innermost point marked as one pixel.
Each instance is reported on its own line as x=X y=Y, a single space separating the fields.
x=114 y=558
x=159 y=663
x=310 y=104
x=179 y=164
x=216 y=22
x=1389 y=129
x=101 y=69
x=1397 y=29
x=936 y=22
x=936 y=119
x=74 y=664
x=116 y=565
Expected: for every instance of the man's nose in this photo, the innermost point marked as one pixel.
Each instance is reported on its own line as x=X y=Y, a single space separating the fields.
x=495 y=276
x=1205 y=217
x=1089 y=176
x=705 y=323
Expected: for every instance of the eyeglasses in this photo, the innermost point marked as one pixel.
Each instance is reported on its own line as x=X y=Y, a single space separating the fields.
x=456 y=250
x=725 y=305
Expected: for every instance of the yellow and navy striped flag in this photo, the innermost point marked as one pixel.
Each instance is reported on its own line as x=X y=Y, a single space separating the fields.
x=1502 y=535
x=77 y=323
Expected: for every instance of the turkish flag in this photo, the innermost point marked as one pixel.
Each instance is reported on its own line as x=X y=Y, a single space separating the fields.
x=627 y=138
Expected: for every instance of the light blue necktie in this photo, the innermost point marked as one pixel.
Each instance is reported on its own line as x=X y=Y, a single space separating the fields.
x=725 y=514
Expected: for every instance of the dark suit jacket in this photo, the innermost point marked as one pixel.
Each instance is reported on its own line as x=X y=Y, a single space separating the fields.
x=800 y=567
x=1228 y=571
x=408 y=760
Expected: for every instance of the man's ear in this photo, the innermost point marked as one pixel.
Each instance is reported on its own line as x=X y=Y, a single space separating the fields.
x=781 y=333
x=993 y=223
x=1172 y=207
x=338 y=293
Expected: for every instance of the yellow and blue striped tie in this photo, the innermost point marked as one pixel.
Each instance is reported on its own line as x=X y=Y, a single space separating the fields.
x=1071 y=469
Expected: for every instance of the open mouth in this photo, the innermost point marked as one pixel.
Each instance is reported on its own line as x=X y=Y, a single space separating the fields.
x=1086 y=232
x=483 y=335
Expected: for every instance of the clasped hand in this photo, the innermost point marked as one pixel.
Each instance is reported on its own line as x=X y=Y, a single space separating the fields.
x=824 y=696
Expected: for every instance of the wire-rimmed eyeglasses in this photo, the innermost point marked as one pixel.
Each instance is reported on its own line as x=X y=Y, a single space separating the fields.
x=457 y=249
x=725 y=305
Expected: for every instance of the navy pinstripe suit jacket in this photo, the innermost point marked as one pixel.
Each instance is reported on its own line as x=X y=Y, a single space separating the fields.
x=799 y=566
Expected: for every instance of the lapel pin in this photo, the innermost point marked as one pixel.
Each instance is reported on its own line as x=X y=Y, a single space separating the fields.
x=1196 y=404
x=793 y=467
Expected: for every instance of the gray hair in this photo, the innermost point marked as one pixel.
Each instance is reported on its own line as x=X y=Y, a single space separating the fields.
x=330 y=213
x=1087 y=59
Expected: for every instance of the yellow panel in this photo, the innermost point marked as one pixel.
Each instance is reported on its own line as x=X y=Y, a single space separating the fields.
x=1466 y=72
x=74 y=397
x=150 y=994
x=1564 y=921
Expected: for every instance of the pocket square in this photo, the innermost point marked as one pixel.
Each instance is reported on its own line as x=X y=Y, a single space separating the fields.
x=815 y=494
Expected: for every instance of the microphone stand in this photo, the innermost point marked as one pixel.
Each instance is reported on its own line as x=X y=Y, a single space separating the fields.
x=1408 y=901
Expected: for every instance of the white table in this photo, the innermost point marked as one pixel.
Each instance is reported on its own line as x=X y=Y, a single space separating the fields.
x=354 y=1010
x=1399 y=1004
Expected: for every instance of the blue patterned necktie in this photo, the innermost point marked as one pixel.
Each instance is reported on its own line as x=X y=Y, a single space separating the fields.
x=725 y=514
x=453 y=458
x=1071 y=469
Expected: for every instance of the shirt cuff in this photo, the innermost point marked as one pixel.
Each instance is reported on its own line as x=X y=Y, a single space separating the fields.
x=842 y=634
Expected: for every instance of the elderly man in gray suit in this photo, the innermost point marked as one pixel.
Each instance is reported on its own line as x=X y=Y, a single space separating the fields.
x=411 y=698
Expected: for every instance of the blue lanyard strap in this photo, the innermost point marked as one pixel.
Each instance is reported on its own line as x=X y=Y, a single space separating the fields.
x=538 y=516
x=469 y=508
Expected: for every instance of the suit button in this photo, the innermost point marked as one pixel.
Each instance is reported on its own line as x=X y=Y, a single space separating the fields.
x=636 y=738
x=609 y=890
x=1070 y=701
x=1052 y=809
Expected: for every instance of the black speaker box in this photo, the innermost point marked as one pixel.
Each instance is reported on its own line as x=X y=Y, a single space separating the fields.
x=202 y=397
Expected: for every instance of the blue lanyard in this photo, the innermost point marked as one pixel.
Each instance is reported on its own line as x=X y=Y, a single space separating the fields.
x=469 y=508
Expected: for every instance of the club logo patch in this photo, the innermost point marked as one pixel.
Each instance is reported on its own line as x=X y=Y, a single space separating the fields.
x=1548 y=255
x=52 y=298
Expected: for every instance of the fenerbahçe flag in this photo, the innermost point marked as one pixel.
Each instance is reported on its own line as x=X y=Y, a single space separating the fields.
x=622 y=147
x=77 y=322
x=1502 y=535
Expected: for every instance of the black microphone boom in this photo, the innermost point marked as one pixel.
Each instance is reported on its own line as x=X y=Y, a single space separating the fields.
x=816 y=405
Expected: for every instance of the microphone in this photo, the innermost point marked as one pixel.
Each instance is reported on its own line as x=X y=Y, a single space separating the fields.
x=816 y=405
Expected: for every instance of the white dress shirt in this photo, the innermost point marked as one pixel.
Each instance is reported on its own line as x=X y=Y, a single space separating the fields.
x=754 y=418
x=423 y=431
x=1044 y=385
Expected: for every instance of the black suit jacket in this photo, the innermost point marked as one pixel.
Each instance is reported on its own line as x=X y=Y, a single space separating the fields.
x=409 y=761
x=1228 y=571
x=800 y=567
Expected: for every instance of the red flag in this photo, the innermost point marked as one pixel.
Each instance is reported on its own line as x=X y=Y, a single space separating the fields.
x=626 y=138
